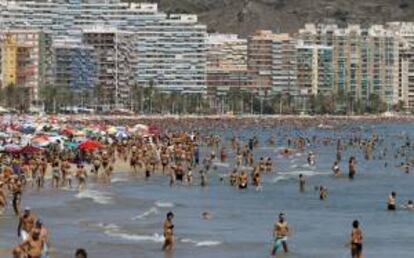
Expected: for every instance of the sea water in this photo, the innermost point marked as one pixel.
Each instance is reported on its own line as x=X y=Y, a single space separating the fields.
x=125 y=218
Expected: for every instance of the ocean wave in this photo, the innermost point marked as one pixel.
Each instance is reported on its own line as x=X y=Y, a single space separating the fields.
x=118 y=180
x=208 y=243
x=95 y=196
x=105 y=226
x=200 y=243
x=284 y=176
x=221 y=164
x=152 y=211
x=157 y=238
x=164 y=204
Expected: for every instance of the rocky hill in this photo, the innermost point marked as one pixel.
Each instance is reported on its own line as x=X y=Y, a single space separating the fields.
x=245 y=16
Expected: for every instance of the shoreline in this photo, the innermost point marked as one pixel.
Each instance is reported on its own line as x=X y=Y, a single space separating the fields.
x=94 y=117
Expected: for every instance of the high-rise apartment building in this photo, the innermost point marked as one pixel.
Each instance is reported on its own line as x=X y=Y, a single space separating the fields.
x=114 y=61
x=405 y=33
x=271 y=57
x=365 y=60
x=170 y=48
x=74 y=64
x=21 y=61
x=314 y=69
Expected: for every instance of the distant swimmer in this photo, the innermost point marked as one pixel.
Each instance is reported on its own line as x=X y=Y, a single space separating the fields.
x=391 y=202
x=408 y=206
x=168 y=232
x=257 y=180
x=233 y=177
x=203 y=176
x=206 y=215
x=356 y=240
x=243 y=180
x=352 y=167
x=280 y=234
x=323 y=193
x=269 y=164
x=311 y=158
x=336 y=170
x=302 y=182
x=81 y=253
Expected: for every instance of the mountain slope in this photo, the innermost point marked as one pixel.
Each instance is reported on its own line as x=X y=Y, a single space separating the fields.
x=245 y=16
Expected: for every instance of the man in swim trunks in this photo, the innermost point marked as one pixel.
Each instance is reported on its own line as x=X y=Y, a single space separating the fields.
x=280 y=232
x=356 y=240
x=391 y=202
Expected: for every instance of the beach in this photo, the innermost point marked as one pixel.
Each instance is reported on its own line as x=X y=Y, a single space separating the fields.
x=124 y=218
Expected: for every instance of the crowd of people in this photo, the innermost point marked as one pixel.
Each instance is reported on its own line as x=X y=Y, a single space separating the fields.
x=179 y=154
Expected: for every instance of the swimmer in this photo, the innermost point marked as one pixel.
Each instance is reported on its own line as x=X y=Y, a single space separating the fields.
x=391 y=202
x=323 y=193
x=280 y=234
x=243 y=180
x=26 y=224
x=408 y=206
x=168 y=232
x=206 y=215
x=302 y=183
x=233 y=177
x=356 y=240
x=31 y=248
x=352 y=168
x=336 y=170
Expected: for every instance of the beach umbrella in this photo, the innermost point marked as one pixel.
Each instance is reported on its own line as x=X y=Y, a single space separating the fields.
x=90 y=145
x=41 y=140
x=140 y=129
x=154 y=129
x=70 y=145
x=112 y=130
x=67 y=132
x=30 y=149
x=11 y=148
x=4 y=135
x=121 y=135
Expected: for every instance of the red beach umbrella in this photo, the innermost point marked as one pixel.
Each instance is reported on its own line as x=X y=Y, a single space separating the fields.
x=29 y=149
x=90 y=145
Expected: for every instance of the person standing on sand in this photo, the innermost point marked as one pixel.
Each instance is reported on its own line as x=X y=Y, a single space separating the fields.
x=280 y=234
x=168 y=232
x=17 y=190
